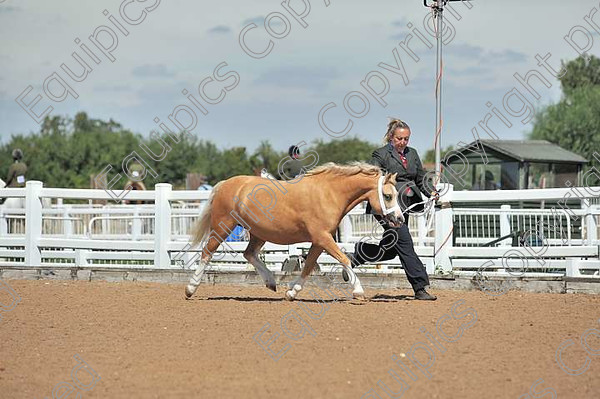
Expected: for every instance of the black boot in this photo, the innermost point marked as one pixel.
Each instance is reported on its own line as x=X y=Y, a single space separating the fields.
x=424 y=295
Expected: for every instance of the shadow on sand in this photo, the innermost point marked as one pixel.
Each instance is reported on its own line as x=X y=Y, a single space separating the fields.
x=258 y=299
x=391 y=298
x=376 y=298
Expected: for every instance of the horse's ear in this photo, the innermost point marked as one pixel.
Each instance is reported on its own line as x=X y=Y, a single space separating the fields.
x=393 y=177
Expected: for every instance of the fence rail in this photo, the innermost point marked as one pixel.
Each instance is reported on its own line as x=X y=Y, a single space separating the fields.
x=153 y=235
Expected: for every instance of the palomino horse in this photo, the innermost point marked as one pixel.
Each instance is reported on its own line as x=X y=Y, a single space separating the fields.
x=306 y=209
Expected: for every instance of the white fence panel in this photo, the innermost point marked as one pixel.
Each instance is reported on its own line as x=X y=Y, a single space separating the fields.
x=152 y=235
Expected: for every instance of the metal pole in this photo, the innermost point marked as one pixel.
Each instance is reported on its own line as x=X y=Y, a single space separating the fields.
x=438 y=10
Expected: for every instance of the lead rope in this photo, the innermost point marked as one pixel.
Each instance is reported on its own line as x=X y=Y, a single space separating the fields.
x=428 y=211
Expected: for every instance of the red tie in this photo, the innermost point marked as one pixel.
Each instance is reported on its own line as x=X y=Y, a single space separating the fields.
x=404 y=161
x=407 y=190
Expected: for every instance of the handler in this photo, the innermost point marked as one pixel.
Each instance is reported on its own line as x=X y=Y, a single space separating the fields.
x=396 y=157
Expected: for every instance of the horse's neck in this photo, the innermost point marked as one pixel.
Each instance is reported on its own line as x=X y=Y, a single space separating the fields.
x=354 y=189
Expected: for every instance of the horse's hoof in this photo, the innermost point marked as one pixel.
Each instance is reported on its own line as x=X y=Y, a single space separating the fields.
x=289 y=296
x=272 y=286
x=359 y=297
x=189 y=292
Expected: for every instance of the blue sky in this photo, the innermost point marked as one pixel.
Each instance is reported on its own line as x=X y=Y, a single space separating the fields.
x=278 y=97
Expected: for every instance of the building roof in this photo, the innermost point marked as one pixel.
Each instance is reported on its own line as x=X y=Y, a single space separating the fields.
x=533 y=151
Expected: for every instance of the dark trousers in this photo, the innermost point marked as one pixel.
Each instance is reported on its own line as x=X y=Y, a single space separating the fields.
x=396 y=241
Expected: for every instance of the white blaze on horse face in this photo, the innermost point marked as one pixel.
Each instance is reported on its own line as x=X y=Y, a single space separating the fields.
x=385 y=210
x=397 y=210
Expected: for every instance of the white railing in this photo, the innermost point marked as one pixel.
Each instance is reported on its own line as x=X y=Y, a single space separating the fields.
x=557 y=252
x=477 y=226
x=152 y=235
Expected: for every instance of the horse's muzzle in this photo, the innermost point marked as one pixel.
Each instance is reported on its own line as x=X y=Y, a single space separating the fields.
x=395 y=221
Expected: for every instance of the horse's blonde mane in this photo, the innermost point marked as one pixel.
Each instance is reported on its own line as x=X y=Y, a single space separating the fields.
x=351 y=169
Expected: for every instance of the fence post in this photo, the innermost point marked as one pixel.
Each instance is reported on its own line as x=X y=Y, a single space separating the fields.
x=81 y=257
x=68 y=224
x=590 y=223
x=443 y=230
x=421 y=230
x=162 y=224
x=33 y=223
x=104 y=222
x=3 y=223
x=505 y=225
x=345 y=229
x=136 y=225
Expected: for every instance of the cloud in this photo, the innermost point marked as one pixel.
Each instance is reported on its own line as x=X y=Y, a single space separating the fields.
x=469 y=52
x=297 y=77
x=152 y=70
x=8 y=9
x=400 y=22
x=219 y=29
x=507 y=56
x=468 y=71
x=256 y=20
x=400 y=36
x=464 y=50
x=110 y=88
x=260 y=20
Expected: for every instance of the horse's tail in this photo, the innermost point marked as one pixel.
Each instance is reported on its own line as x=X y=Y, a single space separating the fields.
x=202 y=226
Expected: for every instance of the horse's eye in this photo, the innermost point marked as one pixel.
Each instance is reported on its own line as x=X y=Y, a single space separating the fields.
x=387 y=197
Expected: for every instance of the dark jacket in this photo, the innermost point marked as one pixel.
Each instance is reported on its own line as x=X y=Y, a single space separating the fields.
x=291 y=169
x=16 y=175
x=388 y=160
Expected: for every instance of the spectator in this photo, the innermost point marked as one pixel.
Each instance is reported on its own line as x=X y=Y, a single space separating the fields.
x=17 y=171
x=489 y=183
x=293 y=167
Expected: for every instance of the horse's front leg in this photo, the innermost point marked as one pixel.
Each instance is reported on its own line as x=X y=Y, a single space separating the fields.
x=297 y=284
x=332 y=248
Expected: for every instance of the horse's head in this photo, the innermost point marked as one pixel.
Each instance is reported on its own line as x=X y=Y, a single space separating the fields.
x=385 y=200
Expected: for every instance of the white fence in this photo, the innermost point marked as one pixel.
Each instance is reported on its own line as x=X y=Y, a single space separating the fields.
x=155 y=236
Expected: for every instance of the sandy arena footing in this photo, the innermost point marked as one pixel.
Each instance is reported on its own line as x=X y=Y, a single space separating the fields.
x=143 y=340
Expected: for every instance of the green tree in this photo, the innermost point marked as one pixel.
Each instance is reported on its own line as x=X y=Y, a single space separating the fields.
x=266 y=157
x=574 y=122
x=430 y=154
x=68 y=151
x=234 y=162
x=54 y=125
x=344 y=150
x=580 y=73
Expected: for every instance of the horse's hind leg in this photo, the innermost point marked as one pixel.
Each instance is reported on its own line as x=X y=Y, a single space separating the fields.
x=217 y=235
x=251 y=255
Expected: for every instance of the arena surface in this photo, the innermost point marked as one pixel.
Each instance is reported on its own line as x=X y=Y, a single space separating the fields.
x=145 y=341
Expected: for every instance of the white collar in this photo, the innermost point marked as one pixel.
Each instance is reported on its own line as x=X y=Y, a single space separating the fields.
x=380 y=192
